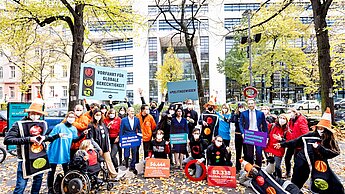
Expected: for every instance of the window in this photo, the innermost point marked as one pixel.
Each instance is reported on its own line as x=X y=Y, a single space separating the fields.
x=241 y=6
x=64 y=91
x=231 y=22
x=106 y=26
x=12 y=93
x=1 y=93
x=130 y=78
x=152 y=10
x=130 y=95
x=1 y=72
x=204 y=24
x=13 y=71
x=64 y=71
x=306 y=20
x=229 y=44
x=152 y=24
x=52 y=91
x=118 y=45
x=52 y=71
x=164 y=25
x=124 y=61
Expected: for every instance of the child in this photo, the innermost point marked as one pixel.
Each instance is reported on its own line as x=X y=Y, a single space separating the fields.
x=217 y=154
x=159 y=147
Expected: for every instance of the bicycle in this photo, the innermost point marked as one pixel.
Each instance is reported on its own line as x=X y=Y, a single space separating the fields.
x=3 y=155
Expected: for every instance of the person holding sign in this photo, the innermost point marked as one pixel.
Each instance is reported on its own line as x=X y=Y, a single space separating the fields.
x=159 y=148
x=209 y=121
x=130 y=126
x=197 y=146
x=179 y=126
x=217 y=154
x=252 y=120
x=192 y=117
x=29 y=136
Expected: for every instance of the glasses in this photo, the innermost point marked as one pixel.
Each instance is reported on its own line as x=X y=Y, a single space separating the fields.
x=220 y=141
x=196 y=133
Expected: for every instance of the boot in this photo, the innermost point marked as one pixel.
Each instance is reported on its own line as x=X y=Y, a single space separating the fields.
x=126 y=162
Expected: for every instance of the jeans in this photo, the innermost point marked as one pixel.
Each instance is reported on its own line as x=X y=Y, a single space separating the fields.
x=51 y=174
x=113 y=153
x=198 y=168
x=21 y=182
x=238 y=147
x=134 y=156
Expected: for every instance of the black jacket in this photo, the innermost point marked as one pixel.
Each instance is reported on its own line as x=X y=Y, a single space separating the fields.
x=218 y=156
x=198 y=148
x=13 y=138
x=193 y=115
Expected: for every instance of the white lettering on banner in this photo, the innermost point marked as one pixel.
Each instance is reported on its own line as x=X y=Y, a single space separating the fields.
x=159 y=164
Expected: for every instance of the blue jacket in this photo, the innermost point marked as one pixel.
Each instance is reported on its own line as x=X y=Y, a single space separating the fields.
x=260 y=120
x=125 y=127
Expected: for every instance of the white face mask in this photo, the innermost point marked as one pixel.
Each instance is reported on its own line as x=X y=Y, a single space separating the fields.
x=190 y=106
x=196 y=136
x=98 y=118
x=147 y=111
x=218 y=144
x=171 y=112
x=70 y=120
x=78 y=112
x=122 y=112
x=111 y=116
x=292 y=115
x=35 y=117
x=103 y=111
x=241 y=109
x=159 y=136
x=225 y=110
x=282 y=122
x=320 y=131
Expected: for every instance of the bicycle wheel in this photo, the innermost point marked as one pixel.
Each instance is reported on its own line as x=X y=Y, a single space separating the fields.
x=2 y=155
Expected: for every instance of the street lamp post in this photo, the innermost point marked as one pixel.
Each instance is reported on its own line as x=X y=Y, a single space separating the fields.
x=248 y=14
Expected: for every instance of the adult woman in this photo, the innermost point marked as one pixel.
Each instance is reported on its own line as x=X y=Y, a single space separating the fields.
x=224 y=124
x=113 y=122
x=276 y=133
x=59 y=150
x=317 y=147
x=217 y=154
x=235 y=118
x=100 y=134
x=122 y=112
x=179 y=125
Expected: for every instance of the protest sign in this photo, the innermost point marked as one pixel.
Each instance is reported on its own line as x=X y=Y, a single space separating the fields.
x=255 y=138
x=179 y=138
x=102 y=83
x=182 y=90
x=128 y=141
x=224 y=176
x=155 y=167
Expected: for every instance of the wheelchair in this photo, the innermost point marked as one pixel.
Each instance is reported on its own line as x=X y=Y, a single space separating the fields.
x=78 y=180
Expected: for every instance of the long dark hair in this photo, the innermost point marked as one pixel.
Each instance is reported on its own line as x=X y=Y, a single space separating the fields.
x=94 y=122
x=328 y=140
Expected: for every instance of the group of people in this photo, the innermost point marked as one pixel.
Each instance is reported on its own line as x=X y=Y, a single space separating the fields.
x=96 y=131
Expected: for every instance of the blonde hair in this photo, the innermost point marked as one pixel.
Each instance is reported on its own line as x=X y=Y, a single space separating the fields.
x=85 y=144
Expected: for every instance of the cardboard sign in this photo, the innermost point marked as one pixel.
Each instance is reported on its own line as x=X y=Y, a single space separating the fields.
x=129 y=141
x=102 y=83
x=182 y=90
x=224 y=176
x=180 y=138
x=256 y=138
x=155 y=167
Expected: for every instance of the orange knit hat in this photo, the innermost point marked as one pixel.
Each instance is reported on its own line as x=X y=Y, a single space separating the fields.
x=326 y=120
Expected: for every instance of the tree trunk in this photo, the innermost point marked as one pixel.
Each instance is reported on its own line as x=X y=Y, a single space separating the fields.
x=192 y=54
x=324 y=58
x=77 y=55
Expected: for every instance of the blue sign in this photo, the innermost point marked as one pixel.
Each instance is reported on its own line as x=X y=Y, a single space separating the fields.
x=129 y=141
x=179 y=138
x=15 y=112
x=102 y=83
x=182 y=90
x=255 y=138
